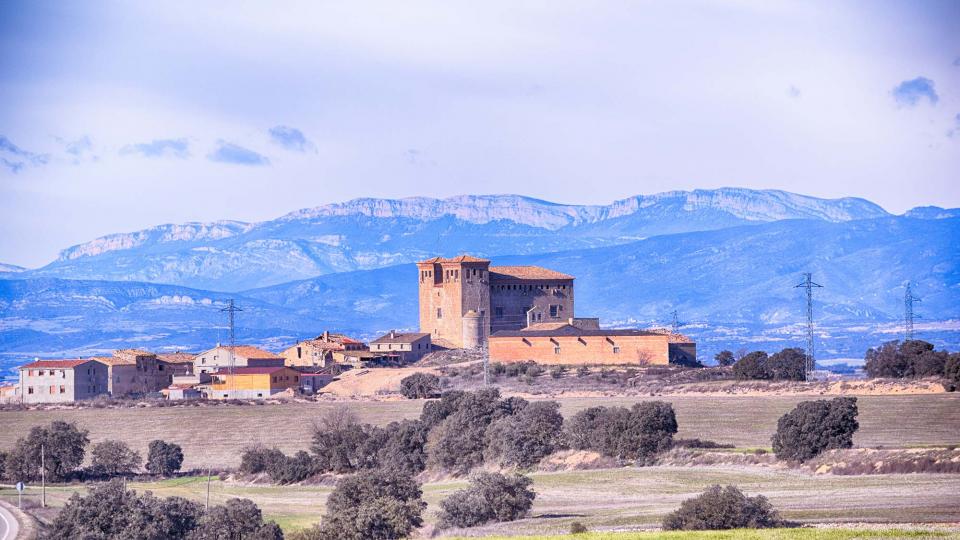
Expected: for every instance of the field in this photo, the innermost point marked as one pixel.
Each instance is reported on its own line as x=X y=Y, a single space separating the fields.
x=623 y=498
x=214 y=436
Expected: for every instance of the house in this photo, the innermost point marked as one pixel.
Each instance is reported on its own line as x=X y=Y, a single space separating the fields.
x=576 y=343
x=322 y=351
x=61 y=381
x=312 y=379
x=252 y=382
x=179 y=363
x=179 y=392
x=8 y=394
x=221 y=357
x=135 y=372
x=402 y=347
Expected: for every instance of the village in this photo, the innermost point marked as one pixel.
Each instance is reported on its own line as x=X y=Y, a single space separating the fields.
x=512 y=314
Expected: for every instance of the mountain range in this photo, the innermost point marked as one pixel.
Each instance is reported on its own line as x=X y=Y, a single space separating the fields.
x=726 y=260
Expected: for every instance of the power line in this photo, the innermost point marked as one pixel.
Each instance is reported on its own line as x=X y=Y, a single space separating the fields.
x=808 y=284
x=231 y=310
x=908 y=300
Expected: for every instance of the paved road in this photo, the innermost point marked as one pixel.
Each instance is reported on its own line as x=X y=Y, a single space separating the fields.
x=8 y=525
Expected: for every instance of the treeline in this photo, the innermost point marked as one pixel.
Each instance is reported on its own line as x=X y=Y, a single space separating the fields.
x=786 y=365
x=913 y=359
x=62 y=447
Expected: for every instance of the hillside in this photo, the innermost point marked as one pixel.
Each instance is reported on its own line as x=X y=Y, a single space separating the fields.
x=373 y=233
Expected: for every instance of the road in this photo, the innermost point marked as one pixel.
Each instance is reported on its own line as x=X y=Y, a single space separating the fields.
x=8 y=524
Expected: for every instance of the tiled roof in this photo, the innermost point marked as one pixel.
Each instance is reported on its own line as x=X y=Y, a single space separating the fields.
x=399 y=337
x=672 y=337
x=249 y=351
x=56 y=364
x=570 y=330
x=458 y=259
x=525 y=272
x=135 y=352
x=115 y=360
x=546 y=326
x=251 y=370
x=177 y=358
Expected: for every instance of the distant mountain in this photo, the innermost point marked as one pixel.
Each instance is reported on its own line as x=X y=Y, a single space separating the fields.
x=10 y=268
x=932 y=212
x=374 y=233
x=732 y=287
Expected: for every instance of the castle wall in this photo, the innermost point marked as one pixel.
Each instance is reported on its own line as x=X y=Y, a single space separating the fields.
x=511 y=299
x=581 y=350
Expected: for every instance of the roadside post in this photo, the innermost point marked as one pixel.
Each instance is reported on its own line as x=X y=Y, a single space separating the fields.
x=20 y=487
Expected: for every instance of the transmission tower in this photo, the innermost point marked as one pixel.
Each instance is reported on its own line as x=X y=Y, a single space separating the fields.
x=808 y=284
x=675 y=325
x=231 y=310
x=908 y=300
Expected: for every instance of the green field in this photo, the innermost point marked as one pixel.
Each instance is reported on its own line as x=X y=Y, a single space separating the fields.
x=214 y=436
x=748 y=534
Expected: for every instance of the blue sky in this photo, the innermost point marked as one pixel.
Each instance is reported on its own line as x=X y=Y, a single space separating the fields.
x=115 y=116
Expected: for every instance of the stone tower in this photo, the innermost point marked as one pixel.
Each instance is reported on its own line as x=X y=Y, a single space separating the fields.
x=449 y=288
x=472 y=330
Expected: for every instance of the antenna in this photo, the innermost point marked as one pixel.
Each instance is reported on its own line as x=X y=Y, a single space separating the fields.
x=808 y=284
x=231 y=309
x=908 y=300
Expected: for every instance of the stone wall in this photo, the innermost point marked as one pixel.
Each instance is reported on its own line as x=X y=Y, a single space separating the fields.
x=582 y=350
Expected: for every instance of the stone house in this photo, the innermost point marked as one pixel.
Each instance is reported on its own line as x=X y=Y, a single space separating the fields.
x=134 y=372
x=401 y=347
x=61 y=381
x=322 y=351
x=179 y=363
x=243 y=356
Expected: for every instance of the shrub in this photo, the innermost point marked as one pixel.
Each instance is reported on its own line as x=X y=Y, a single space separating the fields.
x=722 y=508
x=583 y=371
x=258 y=459
x=420 y=385
x=490 y=497
x=372 y=505
x=3 y=464
x=108 y=511
x=577 y=528
x=951 y=372
x=788 y=365
x=291 y=469
x=637 y=433
x=164 y=458
x=458 y=442
x=724 y=358
x=558 y=371
x=404 y=447
x=114 y=458
x=524 y=438
x=752 y=366
x=339 y=441
x=814 y=426
x=699 y=443
x=237 y=518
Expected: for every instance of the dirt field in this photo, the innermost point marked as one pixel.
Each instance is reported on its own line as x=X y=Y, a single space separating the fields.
x=626 y=498
x=214 y=436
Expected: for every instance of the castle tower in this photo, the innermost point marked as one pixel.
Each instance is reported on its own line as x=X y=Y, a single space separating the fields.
x=449 y=288
x=472 y=330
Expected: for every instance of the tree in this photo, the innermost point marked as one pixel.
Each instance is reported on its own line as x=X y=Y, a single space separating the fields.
x=3 y=464
x=114 y=458
x=490 y=497
x=63 y=446
x=725 y=358
x=886 y=361
x=637 y=433
x=788 y=365
x=340 y=442
x=723 y=508
x=257 y=459
x=109 y=511
x=458 y=442
x=420 y=385
x=404 y=447
x=951 y=372
x=164 y=458
x=375 y=505
x=752 y=366
x=814 y=426
x=237 y=518
x=524 y=438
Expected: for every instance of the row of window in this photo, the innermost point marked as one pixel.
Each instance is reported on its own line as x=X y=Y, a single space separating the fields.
x=555 y=311
x=51 y=372
x=616 y=349
x=522 y=287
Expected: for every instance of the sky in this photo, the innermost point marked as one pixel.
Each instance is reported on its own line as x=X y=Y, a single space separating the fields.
x=117 y=116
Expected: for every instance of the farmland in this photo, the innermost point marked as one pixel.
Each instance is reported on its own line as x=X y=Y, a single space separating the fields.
x=214 y=436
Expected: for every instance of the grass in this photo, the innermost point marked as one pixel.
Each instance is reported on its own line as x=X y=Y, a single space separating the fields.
x=215 y=436
x=748 y=534
x=627 y=498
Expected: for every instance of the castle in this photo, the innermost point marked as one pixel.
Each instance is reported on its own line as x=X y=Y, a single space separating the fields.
x=463 y=299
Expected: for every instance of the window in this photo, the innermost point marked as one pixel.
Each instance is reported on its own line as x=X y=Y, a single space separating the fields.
x=29 y=389
x=63 y=389
x=616 y=349
x=439 y=313
x=498 y=312
x=298 y=352
x=556 y=350
x=554 y=311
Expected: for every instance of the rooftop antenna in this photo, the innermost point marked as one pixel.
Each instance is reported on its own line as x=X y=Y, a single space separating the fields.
x=231 y=309
x=808 y=284
x=908 y=300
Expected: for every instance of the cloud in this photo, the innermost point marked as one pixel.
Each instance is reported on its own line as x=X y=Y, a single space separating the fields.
x=955 y=131
x=793 y=92
x=159 y=148
x=231 y=153
x=78 y=149
x=909 y=93
x=15 y=158
x=290 y=138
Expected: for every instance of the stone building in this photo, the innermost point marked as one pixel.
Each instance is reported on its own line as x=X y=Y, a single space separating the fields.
x=134 y=372
x=463 y=299
x=242 y=355
x=401 y=347
x=322 y=351
x=61 y=381
x=581 y=344
x=180 y=363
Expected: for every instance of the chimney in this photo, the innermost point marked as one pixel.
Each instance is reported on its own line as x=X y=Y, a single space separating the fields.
x=326 y=335
x=393 y=334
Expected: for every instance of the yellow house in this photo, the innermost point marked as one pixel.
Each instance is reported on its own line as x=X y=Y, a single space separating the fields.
x=252 y=382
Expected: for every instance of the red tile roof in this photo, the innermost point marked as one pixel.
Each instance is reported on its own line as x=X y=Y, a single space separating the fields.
x=56 y=364
x=526 y=272
x=251 y=370
x=400 y=337
x=249 y=351
x=458 y=259
x=177 y=358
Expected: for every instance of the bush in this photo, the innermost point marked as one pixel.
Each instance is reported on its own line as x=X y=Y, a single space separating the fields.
x=164 y=458
x=752 y=366
x=557 y=372
x=788 y=365
x=583 y=371
x=63 y=446
x=524 y=438
x=724 y=358
x=458 y=442
x=404 y=447
x=637 y=433
x=420 y=385
x=490 y=497
x=114 y=458
x=577 y=528
x=814 y=426
x=913 y=358
x=108 y=511
x=339 y=442
x=292 y=469
x=951 y=372
x=258 y=459
x=722 y=508
x=237 y=518
x=370 y=506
